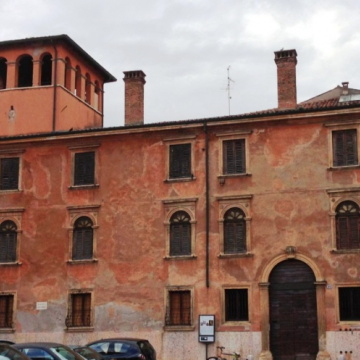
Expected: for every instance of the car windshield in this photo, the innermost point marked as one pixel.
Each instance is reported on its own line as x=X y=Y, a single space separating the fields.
x=63 y=353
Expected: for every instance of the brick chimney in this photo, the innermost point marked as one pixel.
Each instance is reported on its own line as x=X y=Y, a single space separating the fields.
x=286 y=76
x=134 y=97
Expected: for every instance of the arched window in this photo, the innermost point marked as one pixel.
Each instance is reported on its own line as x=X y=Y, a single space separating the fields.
x=46 y=70
x=234 y=231
x=25 y=71
x=88 y=89
x=3 y=73
x=83 y=239
x=67 y=80
x=78 y=81
x=180 y=234
x=97 y=96
x=347 y=225
x=8 y=241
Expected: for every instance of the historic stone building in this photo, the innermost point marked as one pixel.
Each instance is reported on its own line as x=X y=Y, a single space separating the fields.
x=137 y=230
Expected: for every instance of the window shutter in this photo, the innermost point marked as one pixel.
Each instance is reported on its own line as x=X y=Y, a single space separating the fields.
x=240 y=236
x=345 y=147
x=81 y=310
x=180 y=307
x=9 y=173
x=229 y=238
x=84 y=168
x=8 y=241
x=180 y=161
x=234 y=231
x=83 y=239
x=6 y=311
x=234 y=156
x=180 y=234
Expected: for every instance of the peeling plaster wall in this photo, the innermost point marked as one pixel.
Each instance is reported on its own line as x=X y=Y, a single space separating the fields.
x=288 y=162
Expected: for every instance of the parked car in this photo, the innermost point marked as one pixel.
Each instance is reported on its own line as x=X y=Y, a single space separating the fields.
x=7 y=352
x=47 y=351
x=120 y=348
x=86 y=352
x=9 y=342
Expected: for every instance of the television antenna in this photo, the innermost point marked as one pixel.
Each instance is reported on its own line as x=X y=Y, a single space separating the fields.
x=229 y=86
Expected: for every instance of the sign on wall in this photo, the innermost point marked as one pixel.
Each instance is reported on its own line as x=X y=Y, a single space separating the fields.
x=206 y=328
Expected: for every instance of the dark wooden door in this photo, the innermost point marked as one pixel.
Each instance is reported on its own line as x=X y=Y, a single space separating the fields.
x=293 y=314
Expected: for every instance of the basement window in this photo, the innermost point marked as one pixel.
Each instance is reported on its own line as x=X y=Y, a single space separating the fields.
x=6 y=311
x=349 y=303
x=79 y=313
x=236 y=305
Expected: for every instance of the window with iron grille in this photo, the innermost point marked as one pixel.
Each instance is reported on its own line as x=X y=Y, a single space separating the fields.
x=234 y=231
x=349 y=303
x=83 y=239
x=80 y=310
x=6 y=311
x=236 y=305
x=9 y=173
x=345 y=152
x=84 y=168
x=180 y=161
x=8 y=241
x=179 y=308
x=180 y=234
x=347 y=226
x=234 y=157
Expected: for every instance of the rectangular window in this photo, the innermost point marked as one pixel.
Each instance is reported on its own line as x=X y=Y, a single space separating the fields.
x=344 y=147
x=80 y=312
x=6 y=311
x=180 y=161
x=179 y=308
x=234 y=157
x=236 y=305
x=84 y=168
x=349 y=303
x=9 y=173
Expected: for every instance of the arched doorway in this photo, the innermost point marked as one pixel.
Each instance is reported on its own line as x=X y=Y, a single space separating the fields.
x=293 y=312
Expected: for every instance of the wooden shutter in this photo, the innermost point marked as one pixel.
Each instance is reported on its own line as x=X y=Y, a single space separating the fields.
x=6 y=311
x=84 y=168
x=81 y=310
x=234 y=231
x=234 y=156
x=180 y=161
x=348 y=226
x=345 y=147
x=9 y=173
x=83 y=239
x=8 y=242
x=180 y=307
x=236 y=305
x=180 y=234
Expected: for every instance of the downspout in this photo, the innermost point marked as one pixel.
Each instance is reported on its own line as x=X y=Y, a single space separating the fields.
x=54 y=87
x=207 y=202
x=102 y=105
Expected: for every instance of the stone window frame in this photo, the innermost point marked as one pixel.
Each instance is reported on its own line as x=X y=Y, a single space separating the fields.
x=188 y=139
x=235 y=135
x=171 y=206
x=84 y=149
x=170 y=288
x=226 y=203
x=70 y=328
x=337 y=303
x=76 y=212
x=336 y=197
x=12 y=153
x=14 y=215
x=223 y=318
x=11 y=329
x=337 y=126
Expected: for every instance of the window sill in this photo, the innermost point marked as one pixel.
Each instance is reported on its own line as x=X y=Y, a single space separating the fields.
x=238 y=255
x=187 y=179
x=15 y=263
x=345 y=251
x=179 y=327
x=7 y=331
x=10 y=191
x=81 y=187
x=348 y=167
x=85 y=261
x=180 y=257
x=80 y=329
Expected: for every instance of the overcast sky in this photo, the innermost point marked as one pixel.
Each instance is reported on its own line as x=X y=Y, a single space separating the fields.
x=185 y=47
